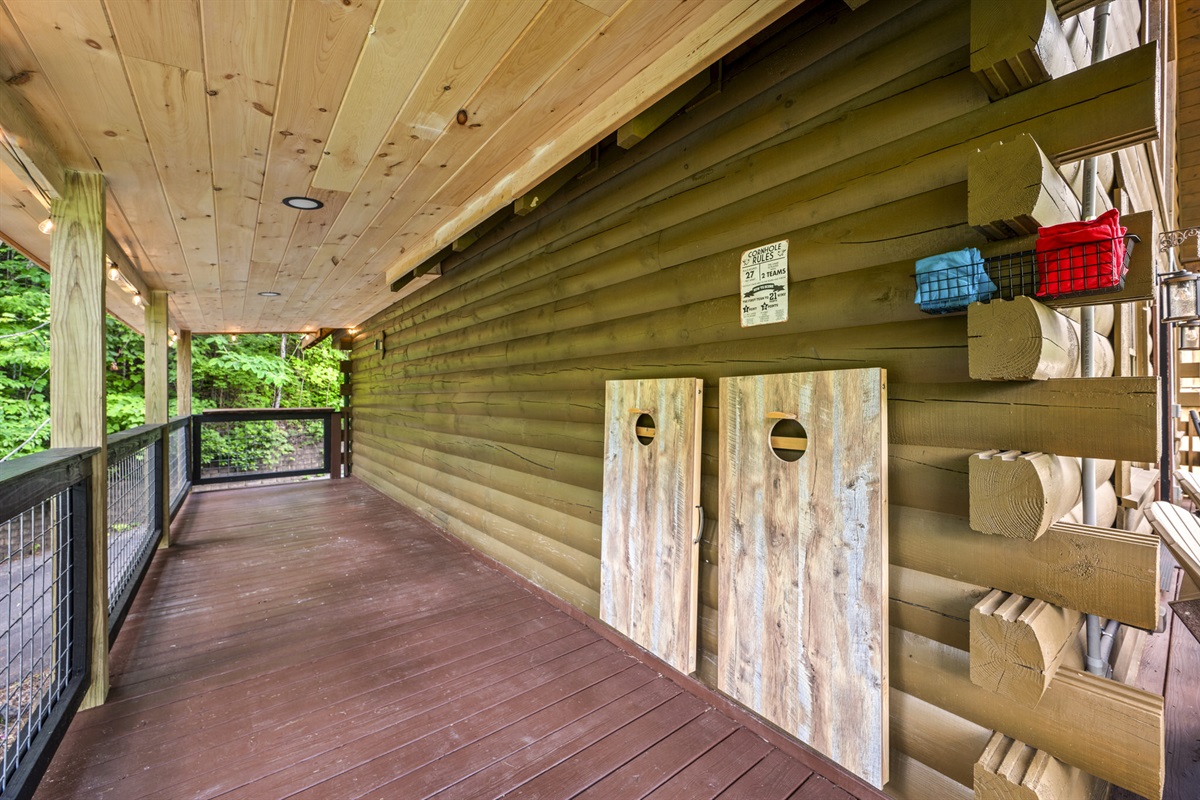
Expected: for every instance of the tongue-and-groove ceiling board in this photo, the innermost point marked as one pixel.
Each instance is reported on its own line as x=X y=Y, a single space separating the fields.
x=802 y=568
x=411 y=120
x=650 y=530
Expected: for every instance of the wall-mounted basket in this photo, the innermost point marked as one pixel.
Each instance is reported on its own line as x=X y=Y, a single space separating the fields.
x=1091 y=268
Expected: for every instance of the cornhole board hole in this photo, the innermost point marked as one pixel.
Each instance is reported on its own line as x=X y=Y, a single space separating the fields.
x=650 y=535
x=803 y=581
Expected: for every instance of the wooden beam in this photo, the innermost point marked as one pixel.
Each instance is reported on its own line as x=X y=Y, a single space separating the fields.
x=183 y=374
x=653 y=117
x=1020 y=495
x=1106 y=506
x=1105 y=728
x=482 y=229
x=156 y=347
x=77 y=378
x=1060 y=567
x=1017 y=44
x=1021 y=340
x=26 y=150
x=526 y=203
x=156 y=393
x=1013 y=189
x=1088 y=417
x=1012 y=770
x=1018 y=643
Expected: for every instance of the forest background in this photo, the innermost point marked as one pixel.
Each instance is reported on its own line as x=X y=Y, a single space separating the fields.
x=247 y=371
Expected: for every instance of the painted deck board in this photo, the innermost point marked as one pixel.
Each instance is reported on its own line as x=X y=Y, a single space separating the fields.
x=319 y=640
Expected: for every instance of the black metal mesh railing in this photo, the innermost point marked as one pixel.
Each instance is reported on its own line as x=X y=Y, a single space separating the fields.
x=180 y=464
x=43 y=524
x=132 y=520
x=261 y=443
x=36 y=642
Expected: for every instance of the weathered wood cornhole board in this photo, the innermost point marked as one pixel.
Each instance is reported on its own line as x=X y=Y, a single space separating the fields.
x=650 y=536
x=803 y=580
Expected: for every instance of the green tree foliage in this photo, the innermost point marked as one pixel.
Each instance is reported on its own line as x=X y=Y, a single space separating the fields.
x=255 y=371
x=24 y=354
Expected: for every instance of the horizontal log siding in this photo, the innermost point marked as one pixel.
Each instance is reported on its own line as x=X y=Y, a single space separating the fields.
x=484 y=409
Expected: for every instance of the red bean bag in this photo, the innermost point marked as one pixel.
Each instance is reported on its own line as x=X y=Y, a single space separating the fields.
x=1077 y=257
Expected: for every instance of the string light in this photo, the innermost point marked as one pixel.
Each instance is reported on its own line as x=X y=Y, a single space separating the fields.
x=137 y=298
x=114 y=274
x=233 y=337
x=46 y=225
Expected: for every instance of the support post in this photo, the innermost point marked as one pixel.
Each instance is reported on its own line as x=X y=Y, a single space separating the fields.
x=156 y=398
x=156 y=346
x=183 y=374
x=77 y=398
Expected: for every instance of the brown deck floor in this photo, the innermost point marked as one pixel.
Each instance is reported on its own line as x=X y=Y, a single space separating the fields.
x=320 y=641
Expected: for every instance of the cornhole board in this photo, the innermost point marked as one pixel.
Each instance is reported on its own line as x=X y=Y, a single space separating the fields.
x=803 y=581
x=650 y=534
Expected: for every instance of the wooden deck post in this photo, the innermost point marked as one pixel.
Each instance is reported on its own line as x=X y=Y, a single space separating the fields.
x=77 y=399
x=157 y=403
x=183 y=374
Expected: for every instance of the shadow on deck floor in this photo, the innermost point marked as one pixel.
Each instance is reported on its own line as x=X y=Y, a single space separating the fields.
x=319 y=640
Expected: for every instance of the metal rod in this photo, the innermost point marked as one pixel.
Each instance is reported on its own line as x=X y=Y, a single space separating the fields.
x=1096 y=663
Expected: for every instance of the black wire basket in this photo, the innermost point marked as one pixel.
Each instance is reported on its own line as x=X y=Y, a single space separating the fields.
x=1090 y=268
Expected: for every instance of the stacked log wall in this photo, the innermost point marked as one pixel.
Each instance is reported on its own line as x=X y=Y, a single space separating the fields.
x=478 y=400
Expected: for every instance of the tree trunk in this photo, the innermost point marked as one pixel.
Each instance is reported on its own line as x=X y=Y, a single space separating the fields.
x=282 y=357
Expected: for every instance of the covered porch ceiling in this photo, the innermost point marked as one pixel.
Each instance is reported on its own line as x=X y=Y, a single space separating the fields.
x=411 y=120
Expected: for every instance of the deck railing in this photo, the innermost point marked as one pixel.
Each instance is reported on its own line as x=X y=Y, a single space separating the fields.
x=179 y=453
x=265 y=443
x=45 y=520
x=135 y=502
x=45 y=502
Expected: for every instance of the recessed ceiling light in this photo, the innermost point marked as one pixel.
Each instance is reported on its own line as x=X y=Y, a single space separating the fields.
x=303 y=203
x=268 y=294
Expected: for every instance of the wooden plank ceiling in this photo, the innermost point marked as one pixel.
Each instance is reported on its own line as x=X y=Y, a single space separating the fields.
x=204 y=114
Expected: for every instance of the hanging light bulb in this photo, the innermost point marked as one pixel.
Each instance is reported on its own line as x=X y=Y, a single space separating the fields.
x=46 y=225
x=233 y=337
x=137 y=298
x=114 y=274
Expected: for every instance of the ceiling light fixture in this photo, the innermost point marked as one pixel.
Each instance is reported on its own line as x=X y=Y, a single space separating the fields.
x=46 y=225
x=303 y=203
x=268 y=294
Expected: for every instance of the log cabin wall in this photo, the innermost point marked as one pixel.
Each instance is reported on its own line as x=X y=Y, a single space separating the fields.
x=478 y=399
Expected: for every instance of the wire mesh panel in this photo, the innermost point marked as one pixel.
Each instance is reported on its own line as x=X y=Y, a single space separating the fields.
x=38 y=639
x=180 y=461
x=132 y=529
x=253 y=448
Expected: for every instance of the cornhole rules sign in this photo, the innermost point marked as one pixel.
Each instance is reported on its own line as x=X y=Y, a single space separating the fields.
x=765 y=284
